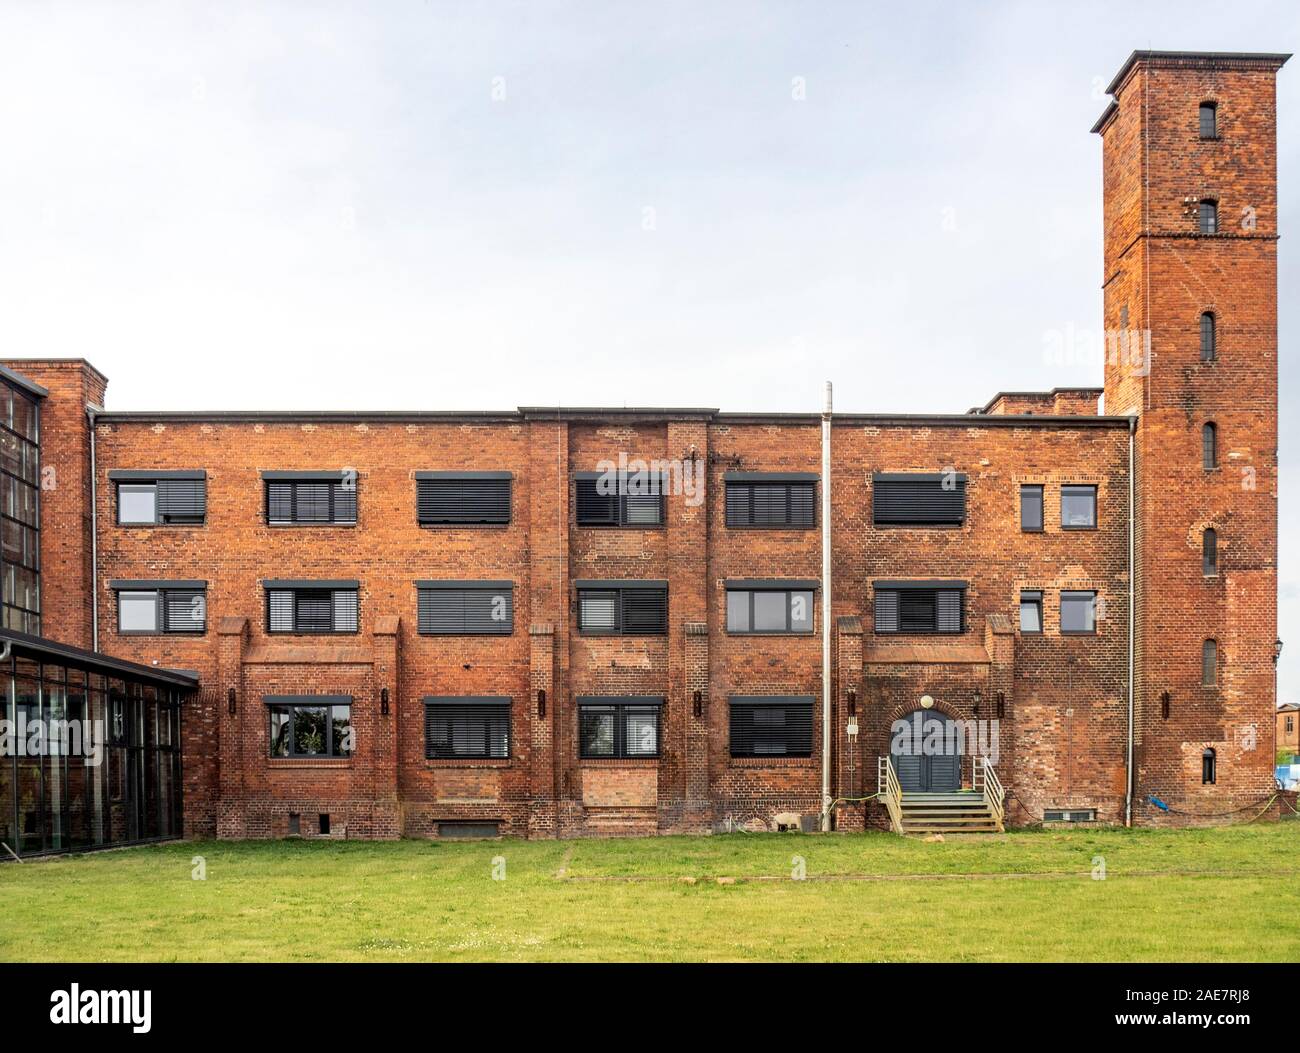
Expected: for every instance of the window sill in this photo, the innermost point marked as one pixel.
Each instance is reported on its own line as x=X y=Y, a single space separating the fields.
x=161 y=526
x=434 y=763
x=312 y=526
x=289 y=763
x=462 y=526
x=811 y=635
x=773 y=762
x=618 y=762
x=770 y=526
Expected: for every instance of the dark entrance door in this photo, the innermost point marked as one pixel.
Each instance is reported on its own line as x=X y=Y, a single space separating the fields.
x=927 y=753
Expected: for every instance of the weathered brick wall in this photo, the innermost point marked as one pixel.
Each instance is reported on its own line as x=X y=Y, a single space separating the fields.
x=1163 y=275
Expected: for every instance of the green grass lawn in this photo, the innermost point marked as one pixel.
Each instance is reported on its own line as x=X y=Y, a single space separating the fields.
x=1196 y=895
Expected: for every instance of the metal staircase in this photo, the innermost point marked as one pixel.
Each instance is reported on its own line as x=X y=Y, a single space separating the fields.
x=979 y=810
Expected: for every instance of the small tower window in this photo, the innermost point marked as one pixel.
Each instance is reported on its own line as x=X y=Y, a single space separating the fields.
x=1209 y=663
x=1209 y=120
x=1208 y=350
x=1210 y=552
x=1209 y=767
x=1209 y=217
x=1209 y=446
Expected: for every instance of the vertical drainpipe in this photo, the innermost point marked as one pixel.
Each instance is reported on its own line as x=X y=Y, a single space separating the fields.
x=94 y=535
x=1128 y=759
x=826 y=612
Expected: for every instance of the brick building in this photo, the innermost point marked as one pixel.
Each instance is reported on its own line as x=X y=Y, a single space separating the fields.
x=583 y=621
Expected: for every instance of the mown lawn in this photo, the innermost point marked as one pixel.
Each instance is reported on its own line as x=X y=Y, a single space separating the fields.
x=1198 y=895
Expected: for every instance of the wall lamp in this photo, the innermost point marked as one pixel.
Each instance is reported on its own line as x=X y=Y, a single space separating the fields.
x=383 y=701
x=697 y=704
x=853 y=703
x=541 y=703
x=230 y=701
x=978 y=699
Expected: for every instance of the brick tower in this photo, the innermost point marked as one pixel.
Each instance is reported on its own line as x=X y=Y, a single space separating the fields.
x=1190 y=285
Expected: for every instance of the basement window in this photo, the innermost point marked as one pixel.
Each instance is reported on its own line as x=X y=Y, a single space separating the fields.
x=469 y=830
x=1070 y=815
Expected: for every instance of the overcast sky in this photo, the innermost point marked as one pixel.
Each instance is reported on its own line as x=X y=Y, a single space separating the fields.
x=440 y=206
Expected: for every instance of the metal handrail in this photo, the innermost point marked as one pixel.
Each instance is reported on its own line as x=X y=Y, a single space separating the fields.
x=890 y=791
x=984 y=779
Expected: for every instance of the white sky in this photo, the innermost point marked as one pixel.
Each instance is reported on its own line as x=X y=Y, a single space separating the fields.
x=330 y=206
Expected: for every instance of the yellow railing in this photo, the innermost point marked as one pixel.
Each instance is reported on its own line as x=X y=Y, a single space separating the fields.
x=890 y=792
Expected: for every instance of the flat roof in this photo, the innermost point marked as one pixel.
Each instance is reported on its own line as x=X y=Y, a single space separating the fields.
x=595 y=414
x=20 y=381
x=1205 y=59
x=66 y=653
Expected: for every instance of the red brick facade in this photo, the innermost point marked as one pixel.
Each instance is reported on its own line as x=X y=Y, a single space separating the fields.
x=1060 y=702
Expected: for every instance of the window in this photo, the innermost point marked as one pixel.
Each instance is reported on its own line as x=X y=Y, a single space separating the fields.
x=1209 y=447
x=160 y=498
x=1208 y=217
x=20 y=519
x=1209 y=349
x=1209 y=663
x=768 y=499
x=160 y=607
x=1078 y=613
x=1290 y=724
x=1078 y=507
x=918 y=500
x=462 y=498
x=618 y=727
x=465 y=608
x=1209 y=120
x=1031 y=612
x=777 y=726
x=919 y=607
x=1031 y=508
x=310 y=725
x=1071 y=815
x=770 y=606
x=619 y=499
x=466 y=727
x=311 y=606
x=305 y=498
x=618 y=608
x=1209 y=767
x=1210 y=552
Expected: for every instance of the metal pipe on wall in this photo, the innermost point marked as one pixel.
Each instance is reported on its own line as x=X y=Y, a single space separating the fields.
x=826 y=612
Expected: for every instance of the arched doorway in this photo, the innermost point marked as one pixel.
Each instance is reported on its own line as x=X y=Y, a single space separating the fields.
x=927 y=752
